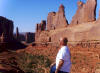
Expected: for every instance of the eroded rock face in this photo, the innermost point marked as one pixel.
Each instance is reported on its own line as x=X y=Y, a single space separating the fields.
x=41 y=27
x=17 y=33
x=99 y=13
x=6 y=29
x=57 y=20
x=99 y=16
x=85 y=13
x=30 y=37
x=7 y=40
x=85 y=16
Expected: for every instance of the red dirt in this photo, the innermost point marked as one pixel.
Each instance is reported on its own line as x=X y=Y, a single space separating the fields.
x=84 y=60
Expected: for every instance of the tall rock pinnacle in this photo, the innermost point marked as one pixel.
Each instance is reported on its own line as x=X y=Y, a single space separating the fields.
x=56 y=20
x=85 y=13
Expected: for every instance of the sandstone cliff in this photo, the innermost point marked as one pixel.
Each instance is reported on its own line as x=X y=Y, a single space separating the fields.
x=98 y=20
x=6 y=26
x=6 y=29
x=57 y=20
x=86 y=12
x=7 y=40
x=87 y=29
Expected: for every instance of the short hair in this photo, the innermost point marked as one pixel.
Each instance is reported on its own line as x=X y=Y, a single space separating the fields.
x=64 y=40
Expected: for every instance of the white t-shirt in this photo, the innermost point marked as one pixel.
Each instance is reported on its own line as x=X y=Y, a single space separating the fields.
x=64 y=54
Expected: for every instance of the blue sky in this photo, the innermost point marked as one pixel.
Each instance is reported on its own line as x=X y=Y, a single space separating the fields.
x=26 y=13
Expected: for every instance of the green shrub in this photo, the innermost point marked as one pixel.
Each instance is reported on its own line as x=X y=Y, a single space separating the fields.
x=33 y=63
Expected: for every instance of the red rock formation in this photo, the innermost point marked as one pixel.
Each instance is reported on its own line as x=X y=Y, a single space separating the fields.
x=41 y=27
x=4 y=38
x=85 y=13
x=30 y=37
x=17 y=33
x=7 y=40
x=99 y=15
x=6 y=26
x=6 y=29
x=36 y=27
x=50 y=19
x=57 y=20
x=98 y=20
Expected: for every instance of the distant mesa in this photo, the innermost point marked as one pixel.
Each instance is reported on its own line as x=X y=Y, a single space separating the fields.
x=24 y=37
x=6 y=29
x=29 y=37
x=7 y=40
x=17 y=33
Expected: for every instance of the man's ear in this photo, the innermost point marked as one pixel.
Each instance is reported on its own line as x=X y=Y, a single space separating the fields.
x=62 y=61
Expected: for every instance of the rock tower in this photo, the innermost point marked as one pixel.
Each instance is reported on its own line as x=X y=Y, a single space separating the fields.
x=56 y=20
x=86 y=12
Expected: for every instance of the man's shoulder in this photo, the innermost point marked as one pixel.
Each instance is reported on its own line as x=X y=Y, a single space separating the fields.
x=64 y=48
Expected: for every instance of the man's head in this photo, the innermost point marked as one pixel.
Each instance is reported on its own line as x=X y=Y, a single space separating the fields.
x=63 y=41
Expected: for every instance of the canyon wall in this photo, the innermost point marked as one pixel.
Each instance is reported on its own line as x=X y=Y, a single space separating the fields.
x=86 y=12
x=86 y=29
x=56 y=20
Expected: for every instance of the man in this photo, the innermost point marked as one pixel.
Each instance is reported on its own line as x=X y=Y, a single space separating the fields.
x=63 y=58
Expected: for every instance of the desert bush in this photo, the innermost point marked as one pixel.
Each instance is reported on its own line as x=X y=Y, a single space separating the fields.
x=33 y=63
